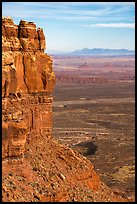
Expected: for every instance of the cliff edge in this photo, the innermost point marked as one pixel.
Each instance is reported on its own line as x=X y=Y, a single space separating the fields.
x=36 y=167
x=27 y=84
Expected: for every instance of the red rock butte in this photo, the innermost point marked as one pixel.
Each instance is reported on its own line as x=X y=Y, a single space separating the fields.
x=27 y=85
x=35 y=167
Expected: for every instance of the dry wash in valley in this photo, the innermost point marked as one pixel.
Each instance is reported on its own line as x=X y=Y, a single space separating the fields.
x=35 y=167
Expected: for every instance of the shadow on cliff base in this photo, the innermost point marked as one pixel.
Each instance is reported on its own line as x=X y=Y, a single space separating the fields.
x=86 y=148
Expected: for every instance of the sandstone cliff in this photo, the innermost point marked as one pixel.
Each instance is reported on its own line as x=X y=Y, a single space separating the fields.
x=27 y=84
x=35 y=167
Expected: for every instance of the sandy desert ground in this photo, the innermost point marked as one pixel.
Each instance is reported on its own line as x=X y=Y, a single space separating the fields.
x=94 y=113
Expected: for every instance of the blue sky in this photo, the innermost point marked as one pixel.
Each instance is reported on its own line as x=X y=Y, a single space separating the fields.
x=70 y=26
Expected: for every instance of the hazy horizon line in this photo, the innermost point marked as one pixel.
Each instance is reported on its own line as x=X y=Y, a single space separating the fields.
x=89 y=48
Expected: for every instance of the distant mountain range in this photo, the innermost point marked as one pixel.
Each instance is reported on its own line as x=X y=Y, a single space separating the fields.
x=95 y=51
x=101 y=51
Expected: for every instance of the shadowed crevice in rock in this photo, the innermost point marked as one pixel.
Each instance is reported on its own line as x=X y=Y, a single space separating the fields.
x=26 y=73
x=36 y=168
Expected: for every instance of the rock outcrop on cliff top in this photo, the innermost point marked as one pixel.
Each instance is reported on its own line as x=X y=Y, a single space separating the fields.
x=35 y=167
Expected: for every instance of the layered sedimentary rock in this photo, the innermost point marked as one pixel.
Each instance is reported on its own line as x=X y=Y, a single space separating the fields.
x=27 y=85
x=36 y=168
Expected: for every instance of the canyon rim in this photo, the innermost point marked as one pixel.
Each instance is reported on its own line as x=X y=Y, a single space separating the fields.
x=35 y=166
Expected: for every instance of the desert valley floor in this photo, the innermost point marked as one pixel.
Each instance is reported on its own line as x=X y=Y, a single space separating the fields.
x=94 y=114
x=69 y=142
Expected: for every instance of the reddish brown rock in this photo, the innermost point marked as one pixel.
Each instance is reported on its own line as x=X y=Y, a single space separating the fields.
x=36 y=168
x=41 y=38
x=27 y=84
x=9 y=29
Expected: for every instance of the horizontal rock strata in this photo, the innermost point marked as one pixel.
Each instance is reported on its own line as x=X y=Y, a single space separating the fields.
x=36 y=168
x=27 y=85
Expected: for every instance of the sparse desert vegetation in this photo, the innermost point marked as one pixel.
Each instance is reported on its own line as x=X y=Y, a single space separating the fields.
x=66 y=147
x=96 y=117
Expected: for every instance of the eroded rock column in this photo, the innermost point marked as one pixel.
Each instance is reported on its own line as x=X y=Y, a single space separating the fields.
x=27 y=84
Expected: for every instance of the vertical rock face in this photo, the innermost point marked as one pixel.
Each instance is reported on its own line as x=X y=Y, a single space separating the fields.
x=27 y=85
x=50 y=171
